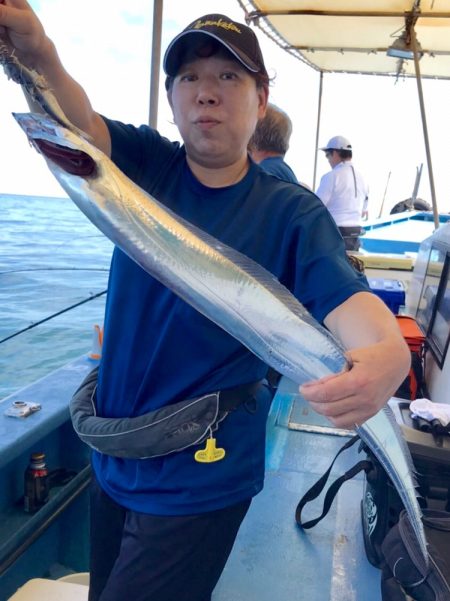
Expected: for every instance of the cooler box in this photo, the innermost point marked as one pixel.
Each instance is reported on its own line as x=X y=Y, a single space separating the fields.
x=411 y=333
x=392 y=292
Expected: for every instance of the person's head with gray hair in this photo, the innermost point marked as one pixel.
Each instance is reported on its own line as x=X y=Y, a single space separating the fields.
x=270 y=142
x=272 y=133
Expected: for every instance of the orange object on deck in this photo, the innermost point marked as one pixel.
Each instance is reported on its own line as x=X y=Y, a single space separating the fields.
x=412 y=333
x=415 y=339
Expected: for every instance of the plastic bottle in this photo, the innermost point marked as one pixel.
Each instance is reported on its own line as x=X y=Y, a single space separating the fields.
x=36 y=484
x=97 y=342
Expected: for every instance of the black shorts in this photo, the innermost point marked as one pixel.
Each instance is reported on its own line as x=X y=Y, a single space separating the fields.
x=144 y=557
x=351 y=236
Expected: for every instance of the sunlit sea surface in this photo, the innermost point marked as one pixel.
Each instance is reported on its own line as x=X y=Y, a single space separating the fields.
x=51 y=257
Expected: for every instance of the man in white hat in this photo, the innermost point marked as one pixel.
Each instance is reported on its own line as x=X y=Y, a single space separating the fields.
x=344 y=191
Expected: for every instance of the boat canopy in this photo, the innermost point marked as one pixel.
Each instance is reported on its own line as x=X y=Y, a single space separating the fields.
x=401 y=38
x=353 y=36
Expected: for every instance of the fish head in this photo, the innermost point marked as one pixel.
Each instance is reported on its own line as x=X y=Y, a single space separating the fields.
x=61 y=148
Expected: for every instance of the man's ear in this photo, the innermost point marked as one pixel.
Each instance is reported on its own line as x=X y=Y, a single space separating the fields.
x=263 y=95
x=169 y=99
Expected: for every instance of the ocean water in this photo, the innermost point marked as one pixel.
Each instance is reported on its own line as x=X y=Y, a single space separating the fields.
x=51 y=257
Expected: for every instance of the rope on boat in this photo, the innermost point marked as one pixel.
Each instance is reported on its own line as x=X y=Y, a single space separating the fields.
x=37 y=323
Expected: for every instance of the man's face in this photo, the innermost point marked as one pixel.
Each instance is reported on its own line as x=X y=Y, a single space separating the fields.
x=216 y=106
x=333 y=157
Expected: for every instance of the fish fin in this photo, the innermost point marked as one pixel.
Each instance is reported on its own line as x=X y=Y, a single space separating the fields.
x=402 y=442
x=261 y=275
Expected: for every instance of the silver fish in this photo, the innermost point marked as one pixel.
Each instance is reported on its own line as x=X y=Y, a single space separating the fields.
x=227 y=287
x=230 y=289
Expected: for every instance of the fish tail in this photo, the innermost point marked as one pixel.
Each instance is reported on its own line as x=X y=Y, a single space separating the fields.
x=383 y=436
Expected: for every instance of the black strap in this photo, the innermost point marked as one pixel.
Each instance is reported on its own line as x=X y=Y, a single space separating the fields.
x=231 y=398
x=317 y=488
x=391 y=589
x=273 y=378
x=354 y=181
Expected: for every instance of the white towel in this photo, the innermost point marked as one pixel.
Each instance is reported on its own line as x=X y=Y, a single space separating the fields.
x=428 y=410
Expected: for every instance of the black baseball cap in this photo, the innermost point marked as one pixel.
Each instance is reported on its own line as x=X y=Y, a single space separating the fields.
x=239 y=39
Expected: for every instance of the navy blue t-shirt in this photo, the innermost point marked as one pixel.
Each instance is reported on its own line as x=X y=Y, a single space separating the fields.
x=278 y=167
x=158 y=350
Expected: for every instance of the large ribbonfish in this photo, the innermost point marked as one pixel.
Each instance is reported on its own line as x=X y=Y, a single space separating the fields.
x=227 y=287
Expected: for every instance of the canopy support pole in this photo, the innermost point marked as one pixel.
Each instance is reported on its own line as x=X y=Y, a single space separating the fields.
x=319 y=111
x=425 y=129
x=155 y=62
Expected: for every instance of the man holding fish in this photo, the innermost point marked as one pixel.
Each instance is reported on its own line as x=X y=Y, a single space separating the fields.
x=163 y=527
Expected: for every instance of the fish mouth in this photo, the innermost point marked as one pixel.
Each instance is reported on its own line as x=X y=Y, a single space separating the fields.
x=71 y=160
x=53 y=141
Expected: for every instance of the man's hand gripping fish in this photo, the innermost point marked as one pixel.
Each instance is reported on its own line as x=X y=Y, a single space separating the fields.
x=230 y=289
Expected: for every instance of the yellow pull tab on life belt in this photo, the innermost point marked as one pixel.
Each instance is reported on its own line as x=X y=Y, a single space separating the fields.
x=210 y=453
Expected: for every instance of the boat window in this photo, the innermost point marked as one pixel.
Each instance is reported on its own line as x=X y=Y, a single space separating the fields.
x=434 y=305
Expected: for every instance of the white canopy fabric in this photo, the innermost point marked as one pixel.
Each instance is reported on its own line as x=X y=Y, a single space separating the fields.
x=352 y=36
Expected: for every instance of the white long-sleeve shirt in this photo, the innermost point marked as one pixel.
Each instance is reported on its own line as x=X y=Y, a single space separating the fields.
x=345 y=194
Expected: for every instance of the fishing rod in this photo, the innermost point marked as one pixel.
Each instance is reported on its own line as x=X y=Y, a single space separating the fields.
x=37 y=323
x=30 y=269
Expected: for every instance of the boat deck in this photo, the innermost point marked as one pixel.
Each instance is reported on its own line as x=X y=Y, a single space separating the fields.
x=272 y=557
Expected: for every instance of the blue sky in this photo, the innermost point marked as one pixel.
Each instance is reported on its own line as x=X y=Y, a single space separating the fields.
x=105 y=44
